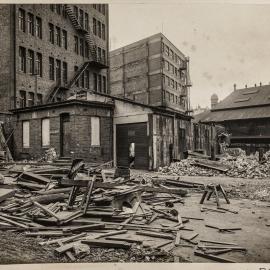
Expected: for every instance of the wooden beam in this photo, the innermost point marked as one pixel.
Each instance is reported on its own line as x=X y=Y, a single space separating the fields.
x=107 y=243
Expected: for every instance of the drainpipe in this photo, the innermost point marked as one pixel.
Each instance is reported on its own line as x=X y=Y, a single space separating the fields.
x=13 y=10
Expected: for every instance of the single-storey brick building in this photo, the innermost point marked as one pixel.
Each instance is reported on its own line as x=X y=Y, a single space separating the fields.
x=75 y=128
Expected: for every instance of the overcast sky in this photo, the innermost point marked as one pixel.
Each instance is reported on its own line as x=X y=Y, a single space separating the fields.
x=226 y=43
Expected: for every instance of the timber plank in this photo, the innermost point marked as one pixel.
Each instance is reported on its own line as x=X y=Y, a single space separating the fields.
x=107 y=243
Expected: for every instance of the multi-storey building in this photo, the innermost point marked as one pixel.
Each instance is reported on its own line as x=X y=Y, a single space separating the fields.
x=151 y=71
x=50 y=51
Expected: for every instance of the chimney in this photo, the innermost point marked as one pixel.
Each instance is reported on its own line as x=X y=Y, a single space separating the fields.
x=234 y=87
x=260 y=83
x=214 y=101
x=246 y=85
x=255 y=85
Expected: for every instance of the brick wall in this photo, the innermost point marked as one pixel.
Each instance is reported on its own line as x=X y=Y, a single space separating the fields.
x=79 y=132
x=6 y=58
x=26 y=81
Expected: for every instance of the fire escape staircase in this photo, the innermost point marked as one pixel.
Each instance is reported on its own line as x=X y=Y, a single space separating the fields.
x=57 y=88
x=94 y=61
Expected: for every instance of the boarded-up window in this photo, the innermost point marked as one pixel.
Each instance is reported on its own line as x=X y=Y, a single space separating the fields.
x=95 y=131
x=26 y=134
x=45 y=127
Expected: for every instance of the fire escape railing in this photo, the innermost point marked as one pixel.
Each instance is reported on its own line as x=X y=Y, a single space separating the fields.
x=90 y=39
x=88 y=34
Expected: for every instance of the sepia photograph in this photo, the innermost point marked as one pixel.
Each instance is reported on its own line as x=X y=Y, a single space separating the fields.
x=134 y=132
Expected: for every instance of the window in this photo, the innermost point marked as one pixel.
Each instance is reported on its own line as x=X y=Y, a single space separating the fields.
x=22 y=20
x=87 y=78
x=38 y=27
x=103 y=31
x=99 y=53
x=39 y=99
x=52 y=7
x=22 y=59
x=31 y=61
x=26 y=134
x=45 y=132
x=103 y=11
x=31 y=97
x=51 y=68
x=86 y=49
x=95 y=131
x=167 y=66
x=51 y=33
x=99 y=28
x=58 y=36
x=58 y=71
x=76 y=11
x=59 y=9
x=76 y=44
x=103 y=56
x=64 y=38
x=81 y=47
x=168 y=80
x=64 y=72
x=99 y=83
x=167 y=50
x=95 y=82
x=171 y=53
x=104 y=87
x=22 y=99
x=81 y=19
x=75 y=70
x=31 y=24
x=94 y=26
x=39 y=64
x=64 y=11
x=86 y=21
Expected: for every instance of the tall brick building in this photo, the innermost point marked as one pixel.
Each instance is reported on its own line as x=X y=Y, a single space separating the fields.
x=51 y=51
x=151 y=71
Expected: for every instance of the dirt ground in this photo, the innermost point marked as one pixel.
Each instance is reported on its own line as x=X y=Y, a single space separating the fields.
x=253 y=218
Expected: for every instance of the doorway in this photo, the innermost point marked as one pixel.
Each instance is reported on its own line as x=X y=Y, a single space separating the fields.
x=132 y=145
x=65 y=135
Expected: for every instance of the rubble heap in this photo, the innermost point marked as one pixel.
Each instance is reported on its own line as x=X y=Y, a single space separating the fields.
x=232 y=163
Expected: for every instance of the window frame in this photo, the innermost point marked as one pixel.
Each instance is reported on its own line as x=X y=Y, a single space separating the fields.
x=38 y=27
x=95 y=140
x=45 y=143
x=31 y=61
x=64 y=38
x=22 y=18
x=39 y=70
x=30 y=23
x=51 y=33
x=58 y=36
x=27 y=138
x=22 y=59
x=51 y=69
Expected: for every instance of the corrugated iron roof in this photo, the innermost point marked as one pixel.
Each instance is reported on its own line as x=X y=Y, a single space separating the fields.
x=246 y=97
x=237 y=114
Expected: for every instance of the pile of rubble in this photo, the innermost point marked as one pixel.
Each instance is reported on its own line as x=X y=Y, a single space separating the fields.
x=233 y=164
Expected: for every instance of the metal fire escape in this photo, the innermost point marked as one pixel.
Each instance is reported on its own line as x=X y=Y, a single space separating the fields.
x=95 y=61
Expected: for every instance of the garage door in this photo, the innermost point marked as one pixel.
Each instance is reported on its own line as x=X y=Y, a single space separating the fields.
x=134 y=135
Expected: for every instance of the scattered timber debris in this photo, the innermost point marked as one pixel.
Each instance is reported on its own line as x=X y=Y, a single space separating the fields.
x=85 y=207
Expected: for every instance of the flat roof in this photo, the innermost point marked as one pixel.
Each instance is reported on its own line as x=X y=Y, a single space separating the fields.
x=64 y=103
